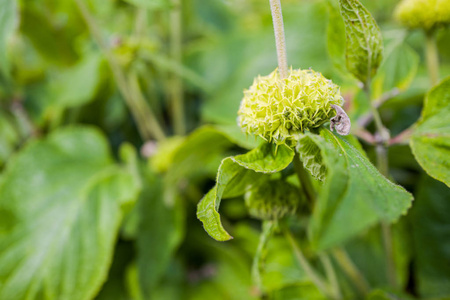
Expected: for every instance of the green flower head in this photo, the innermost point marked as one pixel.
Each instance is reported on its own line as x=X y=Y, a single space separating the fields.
x=424 y=14
x=279 y=109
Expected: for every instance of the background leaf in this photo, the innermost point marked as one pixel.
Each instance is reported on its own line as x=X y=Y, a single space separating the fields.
x=64 y=195
x=431 y=235
x=161 y=230
x=396 y=72
x=364 y=42
x=430 y=141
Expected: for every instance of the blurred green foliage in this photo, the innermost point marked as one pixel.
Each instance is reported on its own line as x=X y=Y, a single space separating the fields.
x=96 y=203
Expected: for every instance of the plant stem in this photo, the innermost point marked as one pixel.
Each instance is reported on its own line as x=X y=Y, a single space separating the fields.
x=316 y=278
x=176 y=84
x=351 y=270
x=266 y=232
x=145 y=128
x=304 y=179
x=278 y=27
x=432 y=57
x=331 y=275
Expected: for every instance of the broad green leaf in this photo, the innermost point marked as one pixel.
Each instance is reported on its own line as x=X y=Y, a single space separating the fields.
x=336 y=35
x=354 y=196
x=241 y=171
x=364 y=47
x=430 y=221
x=8 y=21
x=437 y=99
x=396 y=72
x=79 y=84
x=205 y=147
x=160 y=231
x=430 y=141
x=430 y=144
x=64 y=195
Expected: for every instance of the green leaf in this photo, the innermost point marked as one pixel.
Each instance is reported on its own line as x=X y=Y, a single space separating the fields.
x=396 y=72
x=241 y=171
x=8 y=22
x=430 y=141
x=161 y=230
x=64 y=194
x=354 y=196
x=79 y=84
x=437 y=99
x=430 y=221
x=336 y=35
x=364 y=47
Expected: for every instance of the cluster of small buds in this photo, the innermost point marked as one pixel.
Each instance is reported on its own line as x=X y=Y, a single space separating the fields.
x=272 y=201
x=279 y=109
x=425 y=14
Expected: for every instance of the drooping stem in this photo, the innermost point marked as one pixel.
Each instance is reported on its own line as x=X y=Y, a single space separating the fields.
x=432 y=57
x=309 y=270
x=331 y=275
x=304 y=179
x=176 y=83
x=146 y=128
x=351 y=270
x=278 y=27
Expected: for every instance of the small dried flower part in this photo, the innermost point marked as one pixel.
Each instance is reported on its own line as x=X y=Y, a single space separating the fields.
x=272 y=200
x=279 y=109
x=424 y=14
x=341 y=122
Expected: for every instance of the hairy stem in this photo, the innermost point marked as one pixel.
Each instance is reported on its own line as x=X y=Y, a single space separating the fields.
x=305 y=180
x=278 y=27
x=432 y=57
x=176 y=83
x=351 y=270
x=309 y=270
x=266 y=232
x=145 y=128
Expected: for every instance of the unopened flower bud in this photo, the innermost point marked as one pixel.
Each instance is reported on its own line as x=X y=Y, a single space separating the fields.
x=272 y=201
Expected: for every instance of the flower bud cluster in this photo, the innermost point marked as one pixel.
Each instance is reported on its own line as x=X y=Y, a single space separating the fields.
x=272 y=201
x=279 y=109
x=424 y=14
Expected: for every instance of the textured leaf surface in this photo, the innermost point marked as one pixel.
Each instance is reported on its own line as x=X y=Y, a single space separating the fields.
x=431 y=236
x=63 y=196
x=8 y=21
x=364 y=47
x=354 y=196
x=430 y=141
x=237 y=174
